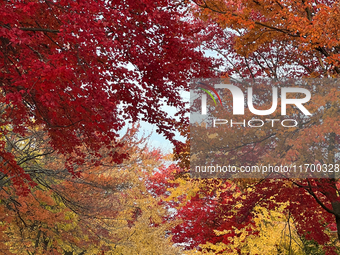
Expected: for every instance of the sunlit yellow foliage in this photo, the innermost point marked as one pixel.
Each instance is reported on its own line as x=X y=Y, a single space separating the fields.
x=276 y=235
x=107 y=208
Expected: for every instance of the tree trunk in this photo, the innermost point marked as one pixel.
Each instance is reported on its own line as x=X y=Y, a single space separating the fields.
x=336 y=209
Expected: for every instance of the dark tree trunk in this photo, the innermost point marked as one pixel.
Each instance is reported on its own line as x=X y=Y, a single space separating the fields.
x=336 y=209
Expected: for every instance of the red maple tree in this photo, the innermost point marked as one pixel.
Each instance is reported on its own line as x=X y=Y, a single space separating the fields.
x=83 y=69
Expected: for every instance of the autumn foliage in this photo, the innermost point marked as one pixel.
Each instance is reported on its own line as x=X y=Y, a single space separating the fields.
x=73 y=74
x=105 y=208
x=82 y=70
x=270 y=40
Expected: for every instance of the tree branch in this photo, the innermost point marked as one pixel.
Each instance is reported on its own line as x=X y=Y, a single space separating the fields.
x=38 y=29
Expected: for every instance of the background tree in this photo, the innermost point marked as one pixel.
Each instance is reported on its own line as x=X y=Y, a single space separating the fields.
x=281 y=39
x=274 y=39
x=100 y=208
